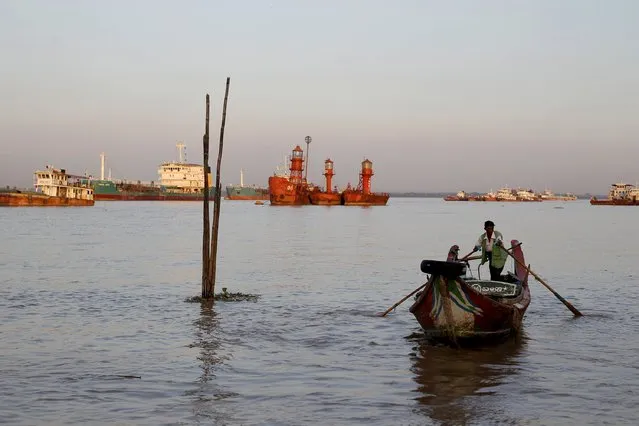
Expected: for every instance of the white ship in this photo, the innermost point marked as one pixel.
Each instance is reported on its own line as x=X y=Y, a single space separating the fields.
x=180 y=176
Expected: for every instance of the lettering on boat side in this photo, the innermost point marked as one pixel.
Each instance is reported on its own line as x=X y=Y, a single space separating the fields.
x=493 y=289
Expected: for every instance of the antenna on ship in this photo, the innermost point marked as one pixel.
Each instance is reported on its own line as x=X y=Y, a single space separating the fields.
x=181 y=152
x=308 y=140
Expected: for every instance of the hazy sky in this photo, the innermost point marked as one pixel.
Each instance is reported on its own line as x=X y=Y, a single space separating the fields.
x=439 y=95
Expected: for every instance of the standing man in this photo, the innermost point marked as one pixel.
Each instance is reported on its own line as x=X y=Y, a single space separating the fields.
x=490 y=243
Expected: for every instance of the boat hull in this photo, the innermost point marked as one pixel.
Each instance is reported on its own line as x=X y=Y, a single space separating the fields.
x=20 y=199
x=326 y=198
x=246 y=193
x=608 y=202
x=358 y=198
x=454 y=311
x=285 y=193
x=124 y=196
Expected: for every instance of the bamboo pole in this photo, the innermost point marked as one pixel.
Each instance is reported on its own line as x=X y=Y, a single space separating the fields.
x=218 y=193
x=206 y=237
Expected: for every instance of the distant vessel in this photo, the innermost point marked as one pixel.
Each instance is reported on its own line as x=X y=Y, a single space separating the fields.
x=548 y=195
x=620 y=194
x=53 y=187
x=179 y=181
x=290 y=189
x=241 y=192
x=328 y=197
x=460 y=196
x=362 y=195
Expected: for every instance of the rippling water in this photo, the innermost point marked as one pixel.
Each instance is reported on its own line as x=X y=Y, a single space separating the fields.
x=95 y=328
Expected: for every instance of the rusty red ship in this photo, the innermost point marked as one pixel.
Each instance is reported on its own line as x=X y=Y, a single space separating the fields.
x=362 y=195
x=328 y=197
x=290 y=189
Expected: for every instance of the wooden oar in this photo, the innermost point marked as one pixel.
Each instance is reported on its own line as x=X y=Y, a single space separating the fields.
x=403 y=299
x=538 y=278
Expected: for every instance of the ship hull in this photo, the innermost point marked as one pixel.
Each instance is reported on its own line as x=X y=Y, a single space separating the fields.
x=19 y=199
x=326 y=198
x=358 y=198
x=105 y=190
x=284 y=193
x=246 y=193
x=123 y=196
x=631 y=202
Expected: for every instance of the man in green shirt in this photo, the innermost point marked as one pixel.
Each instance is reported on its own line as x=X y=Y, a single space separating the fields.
x=491 y=245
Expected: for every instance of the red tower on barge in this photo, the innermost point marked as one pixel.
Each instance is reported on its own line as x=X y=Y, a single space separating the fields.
x=327 y=197
x=291 y=190
x=362 y=196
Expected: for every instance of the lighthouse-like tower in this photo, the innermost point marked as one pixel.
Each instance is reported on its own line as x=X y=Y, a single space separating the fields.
x=365 y=176
x=328 y=174
x=297 y=165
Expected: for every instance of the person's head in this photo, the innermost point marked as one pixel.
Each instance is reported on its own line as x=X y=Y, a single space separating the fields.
x=489 y=226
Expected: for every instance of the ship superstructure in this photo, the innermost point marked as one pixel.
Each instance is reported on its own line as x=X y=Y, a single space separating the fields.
x=620 y=194
x=180 y=175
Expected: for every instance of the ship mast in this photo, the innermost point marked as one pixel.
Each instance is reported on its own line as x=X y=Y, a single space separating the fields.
x=181 y=152
x=102 y=166
x=241 y=178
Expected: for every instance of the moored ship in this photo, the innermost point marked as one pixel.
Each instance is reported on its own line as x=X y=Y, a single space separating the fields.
x=620 y=194
x=328 y=197
x=53 y=187
x=179 y=181
x=241 y=192
x=548 y=195
x=290 y=189
x=460 y=196
x=362 y=195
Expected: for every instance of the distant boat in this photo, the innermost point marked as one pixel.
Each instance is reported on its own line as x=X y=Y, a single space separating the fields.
x=178 y=181
x=548 y=195
x=53 y=187
x=241 y=192
x=620 y=194
x=460 y=196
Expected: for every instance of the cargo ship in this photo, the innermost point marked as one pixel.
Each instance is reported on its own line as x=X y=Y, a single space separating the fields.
x=179 y=181
x=362 y=195
x=548 y=195
x=241 y=192
x=53 y=188
x=620 y=194
x=328 y=197
x=291 y=189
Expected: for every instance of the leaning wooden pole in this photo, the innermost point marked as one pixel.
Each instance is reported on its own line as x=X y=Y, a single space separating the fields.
x=206 y=239
x=218 y=193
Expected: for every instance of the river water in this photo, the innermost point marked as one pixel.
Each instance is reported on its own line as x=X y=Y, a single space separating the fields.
x=95 y=327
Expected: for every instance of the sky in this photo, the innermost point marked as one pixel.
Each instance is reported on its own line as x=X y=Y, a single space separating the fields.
x=439 y=95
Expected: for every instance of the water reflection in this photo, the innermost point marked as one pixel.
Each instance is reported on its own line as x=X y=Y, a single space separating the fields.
x=209 y=342
x=449 y=379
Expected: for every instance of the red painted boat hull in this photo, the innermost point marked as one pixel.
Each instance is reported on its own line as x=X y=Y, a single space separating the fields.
x=358 y=198
x=285 y=193
x=150 y=197
x=19 y=199
x=326 y=198
x=608 y=202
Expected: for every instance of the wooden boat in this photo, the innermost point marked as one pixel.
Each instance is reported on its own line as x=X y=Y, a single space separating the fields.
x=457 y=310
